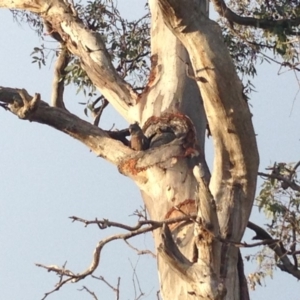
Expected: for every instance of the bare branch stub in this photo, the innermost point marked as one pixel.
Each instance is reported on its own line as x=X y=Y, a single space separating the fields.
x=27 y=107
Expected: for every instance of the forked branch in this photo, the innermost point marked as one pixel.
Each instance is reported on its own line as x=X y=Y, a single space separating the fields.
x=142 y=227
x=85 y=44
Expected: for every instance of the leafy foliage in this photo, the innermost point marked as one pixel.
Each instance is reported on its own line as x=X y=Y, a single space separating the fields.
x=281 y=206
x=281 y=39
x=249 y=46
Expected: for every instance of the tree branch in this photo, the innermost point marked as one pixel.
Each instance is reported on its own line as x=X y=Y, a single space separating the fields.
x=84 y=288
x=133 y=231
x=115 y=289
x=222 y=9
x=58 y=85
x=31 y=108
x=290 y=183
x=130 y=162
x=103 y=224
x=278 y=248
x=85 y=44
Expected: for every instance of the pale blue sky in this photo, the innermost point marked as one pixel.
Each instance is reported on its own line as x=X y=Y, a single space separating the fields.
x=47 y=176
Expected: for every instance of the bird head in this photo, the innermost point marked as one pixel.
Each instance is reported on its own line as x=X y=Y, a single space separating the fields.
x=134 y=128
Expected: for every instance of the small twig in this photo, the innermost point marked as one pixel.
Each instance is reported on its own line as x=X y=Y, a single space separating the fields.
x=140 y=252
x=141 y=214
x=58 y=286
x=115 y=289
x=61 y=275
x=103 y=224
x=135 y=280
x=90 y=292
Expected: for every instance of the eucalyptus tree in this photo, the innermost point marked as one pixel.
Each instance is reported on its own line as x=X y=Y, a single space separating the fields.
x=177 y=79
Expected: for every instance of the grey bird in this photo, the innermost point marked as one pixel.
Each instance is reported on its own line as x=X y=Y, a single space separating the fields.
x=138 y=140
x=162 y=136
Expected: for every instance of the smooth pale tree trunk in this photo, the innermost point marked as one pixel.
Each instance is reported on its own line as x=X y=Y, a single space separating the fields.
x=197 y=259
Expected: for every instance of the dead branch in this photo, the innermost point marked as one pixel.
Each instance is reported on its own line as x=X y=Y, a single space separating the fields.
x=153 y=225
x=103 y=224
x=167 y=249
x=268 y=242
x=296 y=166
x=62 y=272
